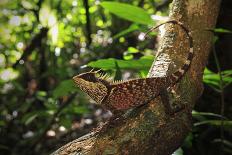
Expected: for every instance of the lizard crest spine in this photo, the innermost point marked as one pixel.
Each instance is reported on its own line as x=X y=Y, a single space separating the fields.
x=116 y=96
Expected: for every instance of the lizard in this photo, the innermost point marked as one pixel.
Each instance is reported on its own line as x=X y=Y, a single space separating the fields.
x=119 y=96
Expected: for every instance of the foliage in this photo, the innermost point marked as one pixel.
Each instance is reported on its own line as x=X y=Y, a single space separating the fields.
x=142 y=64
x=44 y=43
x=128 y=12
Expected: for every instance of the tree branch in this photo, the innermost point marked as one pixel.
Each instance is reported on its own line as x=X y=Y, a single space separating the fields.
x=35 y=42
x=88 y=24
x=148 y=130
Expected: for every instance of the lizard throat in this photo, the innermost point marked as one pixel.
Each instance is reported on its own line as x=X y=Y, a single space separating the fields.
x=96 y=90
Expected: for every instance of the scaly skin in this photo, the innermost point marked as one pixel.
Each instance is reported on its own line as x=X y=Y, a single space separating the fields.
x=119 y=96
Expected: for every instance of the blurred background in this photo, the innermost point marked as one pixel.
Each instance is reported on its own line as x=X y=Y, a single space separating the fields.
x=44 y=43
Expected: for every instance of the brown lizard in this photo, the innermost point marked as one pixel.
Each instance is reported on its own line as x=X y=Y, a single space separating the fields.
x=122 y=95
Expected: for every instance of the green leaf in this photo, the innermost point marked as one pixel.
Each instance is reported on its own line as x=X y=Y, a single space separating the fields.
x=128 y=12
x=2 y=123
x=196 y=113
x=28 y=118
x=221 y=30
x=27 y=4
x=143 y=73
x=51 y=104
x=227 y=124
x=41 y=95
x=64 y=88
x=118 y=73
x=47 y=16
x=225 y=142
x=76 y=110
x=188 y=140
x=132 y=50
x=127 y=56
x=178 y=152
x=133 y=27
x=214 y=122
x=66 y=122
x=213 y=79
x=227 y=72
x=8 y=74
x=143 y=63
x=80 y=110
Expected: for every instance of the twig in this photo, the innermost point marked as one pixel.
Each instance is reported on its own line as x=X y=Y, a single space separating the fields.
x=88 y=24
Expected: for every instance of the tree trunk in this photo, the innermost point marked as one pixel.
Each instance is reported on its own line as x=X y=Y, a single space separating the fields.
x=148 y=130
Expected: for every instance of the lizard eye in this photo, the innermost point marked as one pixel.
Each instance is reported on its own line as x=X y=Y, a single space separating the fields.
x=89 y=77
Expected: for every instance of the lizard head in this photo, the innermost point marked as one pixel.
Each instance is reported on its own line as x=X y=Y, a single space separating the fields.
x=93 y=84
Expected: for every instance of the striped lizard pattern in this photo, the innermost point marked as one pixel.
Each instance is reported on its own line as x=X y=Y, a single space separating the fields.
x=122 y=95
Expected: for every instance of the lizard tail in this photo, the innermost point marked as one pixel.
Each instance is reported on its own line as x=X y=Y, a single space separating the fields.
x=176 y=76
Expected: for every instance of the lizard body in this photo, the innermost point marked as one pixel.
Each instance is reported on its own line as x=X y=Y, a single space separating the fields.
x=118 y=96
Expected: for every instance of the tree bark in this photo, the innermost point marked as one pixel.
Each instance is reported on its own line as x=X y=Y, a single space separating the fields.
x=148 y=130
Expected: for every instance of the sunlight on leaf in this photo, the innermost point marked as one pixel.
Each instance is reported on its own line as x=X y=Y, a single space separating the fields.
x=143 y=63
x=47 y=17
x=53 y=33
x=132 y=50
x=8 y=74
x=128 y=12
x=127 y=56
x=2 y=60
x=196 y=113
x=178 y=152
x=27 y=4
x=15 y=21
